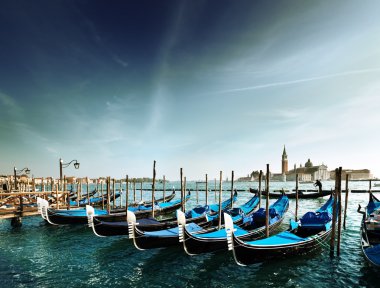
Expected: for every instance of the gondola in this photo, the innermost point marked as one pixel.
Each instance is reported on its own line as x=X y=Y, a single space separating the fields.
x=253 y=227
x=73 y=195
x=112 y=228
x=370 y=231
x=166 y=199
x=292 y=195
x=96 y=201
x=157 y=239
x=169 y=237
x=303 y=236
x=79 y=216
x=63 y=216
x=211 y=210
x=144 y=211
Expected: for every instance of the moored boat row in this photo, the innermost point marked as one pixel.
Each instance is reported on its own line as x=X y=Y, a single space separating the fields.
x=240 y=229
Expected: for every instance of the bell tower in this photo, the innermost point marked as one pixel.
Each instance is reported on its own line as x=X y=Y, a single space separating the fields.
x=284 y=165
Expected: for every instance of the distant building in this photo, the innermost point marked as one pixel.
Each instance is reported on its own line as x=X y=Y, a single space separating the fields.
x=361 y=174
x=248 y=178
x=309 y=172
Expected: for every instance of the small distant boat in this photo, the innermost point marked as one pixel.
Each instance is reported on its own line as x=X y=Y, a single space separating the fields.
x=301 y=194
x=302 y=237
x=370 y=231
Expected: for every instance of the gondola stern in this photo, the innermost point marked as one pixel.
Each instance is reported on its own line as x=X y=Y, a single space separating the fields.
x=39 y=206
x=229 y=226
x=90 y=212
x=181 y=219
x=45 y=212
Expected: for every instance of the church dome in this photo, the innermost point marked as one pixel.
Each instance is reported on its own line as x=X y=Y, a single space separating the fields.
x=308 y=164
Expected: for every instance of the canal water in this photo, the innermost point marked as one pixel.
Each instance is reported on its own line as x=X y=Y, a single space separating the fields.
x=41 y=255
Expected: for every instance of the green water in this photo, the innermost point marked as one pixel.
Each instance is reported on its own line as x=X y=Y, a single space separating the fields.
x=41 y=255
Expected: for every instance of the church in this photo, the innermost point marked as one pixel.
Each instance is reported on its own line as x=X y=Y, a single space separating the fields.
x=306 y=173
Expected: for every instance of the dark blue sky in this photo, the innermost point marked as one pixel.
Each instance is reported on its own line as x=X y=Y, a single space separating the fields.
x=203 y=85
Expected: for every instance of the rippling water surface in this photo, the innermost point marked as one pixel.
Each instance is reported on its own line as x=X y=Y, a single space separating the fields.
x=41 y=255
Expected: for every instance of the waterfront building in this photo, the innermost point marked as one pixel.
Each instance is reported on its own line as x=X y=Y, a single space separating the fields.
x=309 y=172
x=360 y=174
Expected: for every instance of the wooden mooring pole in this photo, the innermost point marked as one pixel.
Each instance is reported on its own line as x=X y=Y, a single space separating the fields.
x=220 y=200
x=67 y=198
x=108 y=194
x=181 y=175
x=134 y=190
x=332 y=239
x=260 y=179
x=196 y=190
x=267 y=203
x=114 y=193
x=232 y=189
x=206 y=191
x=184 y=194
x=79 y=191
x=296 y=213
x=164 y=188
x=214 y=190
x=339 y=211
x=102 y=193
x=345 y=203
x=88 y=192
x=126 y=193
x=153 y=186
x=121 y=192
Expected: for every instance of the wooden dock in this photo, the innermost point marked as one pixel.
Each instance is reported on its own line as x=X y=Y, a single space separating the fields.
x=15 y=205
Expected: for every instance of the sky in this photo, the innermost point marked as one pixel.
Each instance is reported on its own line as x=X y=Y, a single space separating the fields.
x=206 y=86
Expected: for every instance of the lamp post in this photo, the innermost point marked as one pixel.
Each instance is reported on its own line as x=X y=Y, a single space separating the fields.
x=27 y=171
x=65 y=165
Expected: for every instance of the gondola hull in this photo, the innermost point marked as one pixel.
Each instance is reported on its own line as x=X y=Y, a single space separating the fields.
x=156 y=239
x=211 y=242
x=370 y=232
x=118 y=215
x=197 y=245
x=304 y=236
x=301 y=195
x=142 y=242
x=248 y=254
x=59 y=217
x=102 y=228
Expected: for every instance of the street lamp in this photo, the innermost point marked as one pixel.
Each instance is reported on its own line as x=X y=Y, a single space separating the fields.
x=65 y=165
x=27 y=171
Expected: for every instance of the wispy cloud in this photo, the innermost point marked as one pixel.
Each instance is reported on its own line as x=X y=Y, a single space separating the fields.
x=297 y=81
x=120 y=61
x=10 y=105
